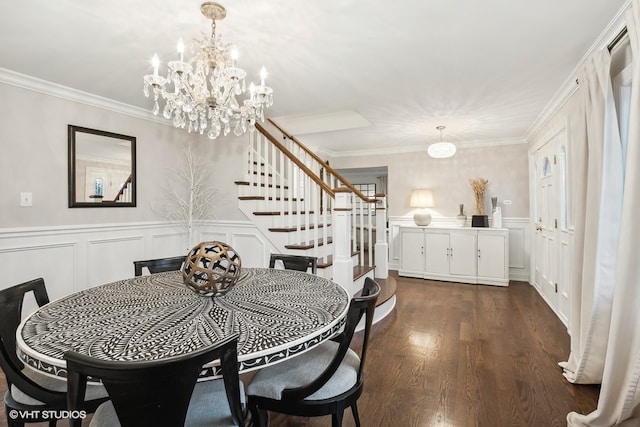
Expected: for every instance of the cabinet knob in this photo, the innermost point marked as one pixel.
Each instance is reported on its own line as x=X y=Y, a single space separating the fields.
x=479 y=255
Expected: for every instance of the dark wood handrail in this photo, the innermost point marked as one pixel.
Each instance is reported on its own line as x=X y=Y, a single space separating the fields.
x=123 y=187
x=295 y=160
x=325 y=164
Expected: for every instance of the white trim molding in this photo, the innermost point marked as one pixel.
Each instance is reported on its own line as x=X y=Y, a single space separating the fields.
x=76 y=257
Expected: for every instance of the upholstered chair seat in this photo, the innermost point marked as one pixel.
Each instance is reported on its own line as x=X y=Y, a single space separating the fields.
x=94 y=391
x=201 y=412
x=301 y=370
x=325 y=380
x=164 y=391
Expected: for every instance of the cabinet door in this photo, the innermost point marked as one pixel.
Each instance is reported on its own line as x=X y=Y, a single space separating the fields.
x=463 y=254
x=491 y=256
x=437 y=251
x=412 y=252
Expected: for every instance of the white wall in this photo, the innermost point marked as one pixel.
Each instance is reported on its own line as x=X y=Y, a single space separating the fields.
x=33 y=158
x=504 y=166
x=81 y=247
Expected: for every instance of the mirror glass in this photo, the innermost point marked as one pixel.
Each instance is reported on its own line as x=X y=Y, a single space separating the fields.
x=102 y=169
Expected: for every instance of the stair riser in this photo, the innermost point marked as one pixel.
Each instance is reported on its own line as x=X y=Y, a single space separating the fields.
x=281 y=239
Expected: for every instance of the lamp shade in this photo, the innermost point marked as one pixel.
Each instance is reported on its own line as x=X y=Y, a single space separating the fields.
x=421 y=198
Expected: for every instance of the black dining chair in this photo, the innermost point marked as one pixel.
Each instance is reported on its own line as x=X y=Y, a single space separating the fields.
x=161 y=392
x=30 y=394
x=325 y=380
x=159 y=265
x=294 y=262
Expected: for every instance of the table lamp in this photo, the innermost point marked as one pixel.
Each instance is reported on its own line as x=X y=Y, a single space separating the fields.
x=421 y=198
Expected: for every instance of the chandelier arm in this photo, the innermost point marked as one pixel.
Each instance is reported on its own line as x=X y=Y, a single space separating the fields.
x=188 y=91
x=209 y=89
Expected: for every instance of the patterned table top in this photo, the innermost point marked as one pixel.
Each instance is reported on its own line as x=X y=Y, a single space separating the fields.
x=277 y=313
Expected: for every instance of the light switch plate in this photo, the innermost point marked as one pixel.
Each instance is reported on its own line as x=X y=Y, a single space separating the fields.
x=26 y=198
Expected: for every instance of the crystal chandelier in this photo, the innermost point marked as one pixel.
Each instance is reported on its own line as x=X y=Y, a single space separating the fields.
x=441 y=150
x=206 y=87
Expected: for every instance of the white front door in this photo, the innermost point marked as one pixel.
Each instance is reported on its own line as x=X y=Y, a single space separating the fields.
x=547 y=219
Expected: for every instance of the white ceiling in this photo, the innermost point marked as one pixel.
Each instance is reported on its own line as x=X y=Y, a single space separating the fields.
x=347 y=74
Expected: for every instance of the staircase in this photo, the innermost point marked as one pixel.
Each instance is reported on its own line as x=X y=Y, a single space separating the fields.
x=303 y=206
x=124 y=195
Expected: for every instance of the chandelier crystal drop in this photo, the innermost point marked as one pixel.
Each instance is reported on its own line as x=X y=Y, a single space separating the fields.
x=441 y=150
x=201 y=94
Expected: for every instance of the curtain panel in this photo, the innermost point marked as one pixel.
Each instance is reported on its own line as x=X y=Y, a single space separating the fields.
x=619 y=401
x=597 y=191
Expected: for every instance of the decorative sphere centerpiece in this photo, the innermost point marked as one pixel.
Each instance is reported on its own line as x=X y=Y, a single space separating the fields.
x=211 y=268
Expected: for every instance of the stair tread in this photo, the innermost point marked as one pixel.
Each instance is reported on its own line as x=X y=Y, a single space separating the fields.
x=388 y=288
x=293 y=229
x=255 y=184
x=286 y=199
x=308 y=245
x=267 y=213
x=361 y=270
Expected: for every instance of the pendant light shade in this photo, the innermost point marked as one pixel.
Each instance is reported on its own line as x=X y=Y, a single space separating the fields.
x=441 y=150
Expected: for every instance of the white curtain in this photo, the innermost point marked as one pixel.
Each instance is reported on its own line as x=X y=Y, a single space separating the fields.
x=597 y=191
x=619 y=401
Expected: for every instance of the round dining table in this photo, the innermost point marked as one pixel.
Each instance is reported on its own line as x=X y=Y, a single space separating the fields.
x=277 y=314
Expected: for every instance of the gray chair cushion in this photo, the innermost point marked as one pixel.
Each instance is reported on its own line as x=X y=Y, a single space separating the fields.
x=94 y=391
x=208 y=407
x=105 y=416
x=301 y=370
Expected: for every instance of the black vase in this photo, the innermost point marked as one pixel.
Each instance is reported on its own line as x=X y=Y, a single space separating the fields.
x=479 y=220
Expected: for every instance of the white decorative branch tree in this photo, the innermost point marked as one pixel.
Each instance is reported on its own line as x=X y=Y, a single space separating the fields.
x=190 y=195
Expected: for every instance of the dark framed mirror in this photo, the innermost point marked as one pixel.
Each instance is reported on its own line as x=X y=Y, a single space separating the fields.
x=102 y=168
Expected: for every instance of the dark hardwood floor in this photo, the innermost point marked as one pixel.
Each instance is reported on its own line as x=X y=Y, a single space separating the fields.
x=457 y=355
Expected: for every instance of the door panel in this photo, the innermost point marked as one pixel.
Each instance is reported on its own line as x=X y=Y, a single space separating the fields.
x=437 y=248
x=463 y=254
x=492 y=264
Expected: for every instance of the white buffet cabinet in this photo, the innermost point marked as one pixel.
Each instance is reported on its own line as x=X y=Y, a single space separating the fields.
x=461 y=254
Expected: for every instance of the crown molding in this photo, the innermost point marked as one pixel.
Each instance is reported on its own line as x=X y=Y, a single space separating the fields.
x=569 y=86
x=49 y=88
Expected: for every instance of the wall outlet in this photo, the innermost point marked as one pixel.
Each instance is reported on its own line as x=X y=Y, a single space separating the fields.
x=26 y=198
x=507 y=202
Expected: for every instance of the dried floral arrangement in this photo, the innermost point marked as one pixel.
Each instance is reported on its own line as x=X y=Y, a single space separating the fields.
x=479 y=186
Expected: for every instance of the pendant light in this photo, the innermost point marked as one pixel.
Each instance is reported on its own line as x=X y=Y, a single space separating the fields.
x=441 y=150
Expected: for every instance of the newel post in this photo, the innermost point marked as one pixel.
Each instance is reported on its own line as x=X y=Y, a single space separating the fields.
x=382 y=247
x=342 y=262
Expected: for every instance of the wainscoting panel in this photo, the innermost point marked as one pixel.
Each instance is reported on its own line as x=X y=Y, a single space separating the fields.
x=111 y=259
x=24 y=263
x=71 y=258
x=519 y=248
x=211 y=235
x=252 y=247
x=164 y=245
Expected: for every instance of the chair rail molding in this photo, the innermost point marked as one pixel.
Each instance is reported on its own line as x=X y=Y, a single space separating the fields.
x=75 y=257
